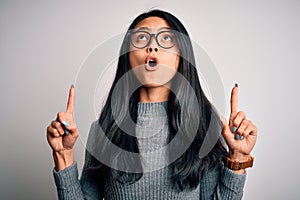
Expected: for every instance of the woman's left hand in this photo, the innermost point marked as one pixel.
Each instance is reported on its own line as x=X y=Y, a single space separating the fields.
x=240 y=134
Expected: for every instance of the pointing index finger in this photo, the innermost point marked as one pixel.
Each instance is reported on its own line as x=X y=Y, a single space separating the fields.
x=71 y=100
x=234 y=99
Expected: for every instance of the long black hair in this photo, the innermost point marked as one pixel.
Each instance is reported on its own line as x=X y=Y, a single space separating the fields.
x=186 y=170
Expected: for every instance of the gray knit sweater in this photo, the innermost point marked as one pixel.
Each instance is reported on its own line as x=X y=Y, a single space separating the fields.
x=152 y=131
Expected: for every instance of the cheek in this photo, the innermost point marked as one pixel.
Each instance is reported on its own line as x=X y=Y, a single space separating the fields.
x=132 y=60
x=171 y=60
x=136 y=58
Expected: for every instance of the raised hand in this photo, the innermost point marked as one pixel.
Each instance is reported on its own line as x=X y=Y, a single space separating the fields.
x=62 y=132
x=240 y=134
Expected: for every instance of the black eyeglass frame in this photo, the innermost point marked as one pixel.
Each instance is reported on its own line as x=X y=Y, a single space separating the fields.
x=152 y=35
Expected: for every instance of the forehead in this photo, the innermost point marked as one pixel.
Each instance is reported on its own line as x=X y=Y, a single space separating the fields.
x=153 y=23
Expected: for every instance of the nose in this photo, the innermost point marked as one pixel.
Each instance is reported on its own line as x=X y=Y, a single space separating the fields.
x=150 y=49
x=153 y=46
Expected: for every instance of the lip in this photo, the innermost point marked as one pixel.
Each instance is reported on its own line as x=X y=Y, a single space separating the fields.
x=148 y=67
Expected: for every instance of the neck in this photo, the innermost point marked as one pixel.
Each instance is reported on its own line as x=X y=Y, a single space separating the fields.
x=154 y=94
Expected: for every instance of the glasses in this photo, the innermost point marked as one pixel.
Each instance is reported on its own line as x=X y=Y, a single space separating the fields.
x=164 y=39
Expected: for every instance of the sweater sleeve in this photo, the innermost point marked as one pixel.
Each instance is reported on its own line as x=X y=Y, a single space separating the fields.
x=67 y=183
x=222 y=183
x=69 y=187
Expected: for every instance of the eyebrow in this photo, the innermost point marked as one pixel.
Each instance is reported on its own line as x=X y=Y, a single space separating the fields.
x=147 y=28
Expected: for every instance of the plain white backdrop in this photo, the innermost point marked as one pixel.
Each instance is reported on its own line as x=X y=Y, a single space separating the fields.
x=44 y=43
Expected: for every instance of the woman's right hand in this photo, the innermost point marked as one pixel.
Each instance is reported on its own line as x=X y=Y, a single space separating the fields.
x=62 y=134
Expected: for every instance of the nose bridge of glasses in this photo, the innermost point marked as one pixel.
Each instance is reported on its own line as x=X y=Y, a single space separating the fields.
x=153 y=41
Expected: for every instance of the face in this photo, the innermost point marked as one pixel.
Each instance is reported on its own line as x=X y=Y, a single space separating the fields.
x=154 y=61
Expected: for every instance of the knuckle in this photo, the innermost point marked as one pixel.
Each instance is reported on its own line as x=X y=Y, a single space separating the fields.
x=53 y=132
x=60 y=115
x=254 y=127
x=242 y=114
x=60 y=133
x=73 y=128
x=55 y=124
x=251 y=125
x=245 y=123
x=49 y=128
x=56 y=133
x=76 y=135
x=235 y=123
x=241 y=129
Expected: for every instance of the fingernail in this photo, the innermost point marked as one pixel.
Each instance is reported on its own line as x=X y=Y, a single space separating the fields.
x=236 y=137
x=241 y=137
x=66 y=132
x=72 y=86
x=236 y=85
x=233 y=129
x=65 y=123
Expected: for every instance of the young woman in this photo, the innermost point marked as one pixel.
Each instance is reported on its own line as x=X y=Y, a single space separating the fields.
x=155 y=99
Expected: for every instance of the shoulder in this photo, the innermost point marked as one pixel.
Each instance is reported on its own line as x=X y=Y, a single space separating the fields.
x=94 y=127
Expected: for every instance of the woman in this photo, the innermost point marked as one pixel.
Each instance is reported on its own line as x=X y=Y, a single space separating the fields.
x=166 y=104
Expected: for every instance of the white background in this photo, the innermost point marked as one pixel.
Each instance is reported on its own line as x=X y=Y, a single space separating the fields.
x=43 y=44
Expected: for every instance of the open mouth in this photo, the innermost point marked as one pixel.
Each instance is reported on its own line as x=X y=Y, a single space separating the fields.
x=152 y=63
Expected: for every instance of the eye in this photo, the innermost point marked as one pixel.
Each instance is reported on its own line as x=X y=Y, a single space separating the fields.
x=167 y=38
x=141 y=37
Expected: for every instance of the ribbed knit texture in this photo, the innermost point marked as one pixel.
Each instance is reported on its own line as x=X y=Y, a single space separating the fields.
x=152 y=133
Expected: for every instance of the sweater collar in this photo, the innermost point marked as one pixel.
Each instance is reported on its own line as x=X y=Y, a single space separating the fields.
x=152 y=108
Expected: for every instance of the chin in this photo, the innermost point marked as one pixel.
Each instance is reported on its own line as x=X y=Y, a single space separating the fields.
x=153 y=85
